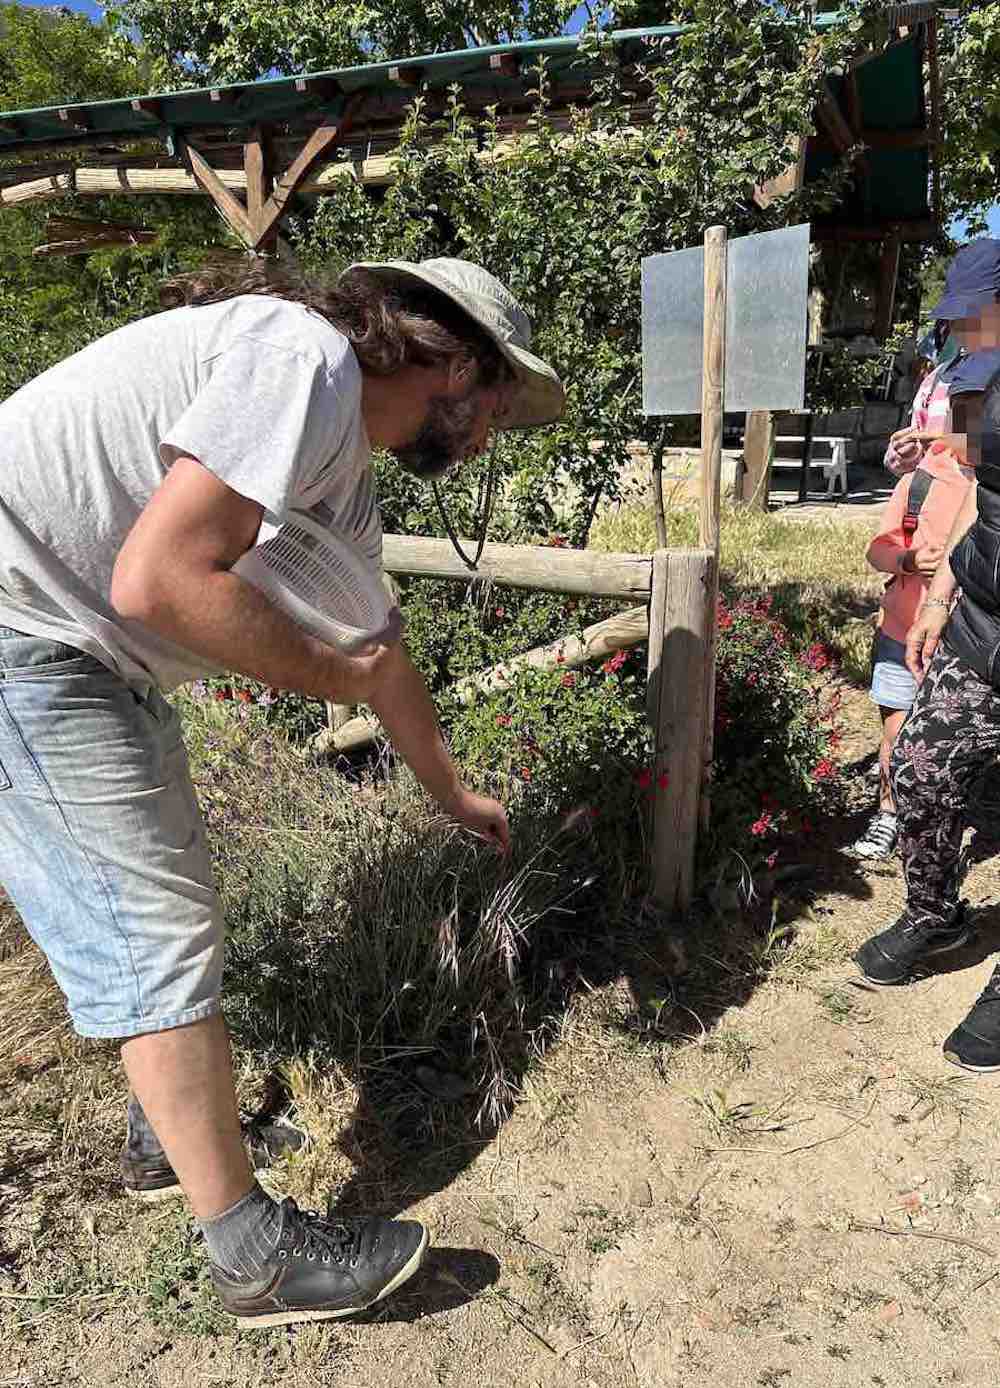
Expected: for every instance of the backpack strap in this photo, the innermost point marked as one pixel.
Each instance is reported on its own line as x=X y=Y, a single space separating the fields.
x=920 y=485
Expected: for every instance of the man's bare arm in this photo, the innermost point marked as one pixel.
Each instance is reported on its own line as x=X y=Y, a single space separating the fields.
x=173 y=575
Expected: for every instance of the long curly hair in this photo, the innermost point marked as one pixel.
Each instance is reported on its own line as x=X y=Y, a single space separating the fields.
x=388 y=325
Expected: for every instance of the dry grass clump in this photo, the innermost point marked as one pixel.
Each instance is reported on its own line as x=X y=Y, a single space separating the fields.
x=33 y=1021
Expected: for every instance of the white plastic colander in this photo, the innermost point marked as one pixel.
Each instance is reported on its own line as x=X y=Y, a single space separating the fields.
x=323 y=578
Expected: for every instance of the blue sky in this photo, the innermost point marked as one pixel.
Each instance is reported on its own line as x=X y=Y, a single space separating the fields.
x=95 y=11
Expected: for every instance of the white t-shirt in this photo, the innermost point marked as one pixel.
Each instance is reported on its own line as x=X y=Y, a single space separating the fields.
x=264 y=393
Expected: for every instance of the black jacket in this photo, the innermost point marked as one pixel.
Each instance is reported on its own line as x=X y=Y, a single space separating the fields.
x=974 y=629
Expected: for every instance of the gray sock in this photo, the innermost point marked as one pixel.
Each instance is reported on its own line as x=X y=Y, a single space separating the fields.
x=242 y=1239
x=141 y=1140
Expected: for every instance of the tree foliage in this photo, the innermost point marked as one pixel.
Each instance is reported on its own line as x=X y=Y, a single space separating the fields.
x=48 y=59
x=970 y=84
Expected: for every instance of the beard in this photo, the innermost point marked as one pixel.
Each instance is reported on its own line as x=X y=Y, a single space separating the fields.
x=443 y=439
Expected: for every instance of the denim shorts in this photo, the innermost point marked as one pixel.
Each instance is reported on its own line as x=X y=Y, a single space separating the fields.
x=102 y=845
x=892 y=684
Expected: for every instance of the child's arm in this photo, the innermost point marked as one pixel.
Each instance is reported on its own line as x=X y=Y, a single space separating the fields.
x=887 y=551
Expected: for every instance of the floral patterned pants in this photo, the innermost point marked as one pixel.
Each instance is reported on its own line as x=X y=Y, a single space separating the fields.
x=950 y=738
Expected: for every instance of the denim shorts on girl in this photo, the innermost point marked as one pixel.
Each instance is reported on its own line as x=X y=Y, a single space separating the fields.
x=892 y=684
x=102 y=845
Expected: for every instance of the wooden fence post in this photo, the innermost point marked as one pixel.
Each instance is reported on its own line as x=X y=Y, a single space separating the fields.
x=757 y=444
x=712 y=385
x=681 y=651
x=713 y=391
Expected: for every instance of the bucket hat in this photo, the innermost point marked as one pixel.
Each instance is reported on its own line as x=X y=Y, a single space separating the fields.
x=540 y=397
x=973 y=279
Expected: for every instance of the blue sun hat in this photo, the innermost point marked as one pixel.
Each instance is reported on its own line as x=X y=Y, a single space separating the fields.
x=973 y=279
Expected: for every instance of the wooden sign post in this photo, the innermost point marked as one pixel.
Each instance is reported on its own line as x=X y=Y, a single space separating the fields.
x=713 y=391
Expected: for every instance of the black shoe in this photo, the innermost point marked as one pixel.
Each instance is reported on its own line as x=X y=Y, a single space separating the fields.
x=149 y=1176
x=323 y=1269
x=975 y=1043
x=889 y=959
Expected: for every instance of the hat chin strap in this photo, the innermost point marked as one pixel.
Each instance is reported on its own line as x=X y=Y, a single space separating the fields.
x=484 y=505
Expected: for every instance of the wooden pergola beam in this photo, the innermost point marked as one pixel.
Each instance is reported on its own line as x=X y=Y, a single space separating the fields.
x=147 y=106
x=888 y=276
x=884 y=139
x=257 y=166
x=832 y=120
x=234 y=212
x=286 y=185
x=906 y=231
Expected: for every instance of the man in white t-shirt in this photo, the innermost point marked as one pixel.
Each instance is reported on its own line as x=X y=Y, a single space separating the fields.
x=134 y=478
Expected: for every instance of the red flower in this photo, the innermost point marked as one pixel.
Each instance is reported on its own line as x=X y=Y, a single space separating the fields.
x=221 y=695
x=568 y=681
x=558 y=541
x=818 y=656
x=615 y=663
x=824 y=769
x=753 y=677
x=501 y=612
x=761 y=825
x=504 y=720
x=663 y=780
x=644 y=778
x=724 y=620
x=560 y=659
x=525 y=773
x=245 y=696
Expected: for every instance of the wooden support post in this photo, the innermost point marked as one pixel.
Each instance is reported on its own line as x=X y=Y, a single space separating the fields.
x=337 y=715
x=681 y=653
x=888 y=274
x=226 y=201
x=757 y=444
x=318 y=143
x=807 y=453
x=257 y=164
x=713 y=388
x=712 y=385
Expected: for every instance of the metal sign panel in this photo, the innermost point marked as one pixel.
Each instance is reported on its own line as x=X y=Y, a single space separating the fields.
x=767 y=279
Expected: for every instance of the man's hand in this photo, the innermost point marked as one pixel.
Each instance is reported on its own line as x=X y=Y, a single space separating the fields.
x=923 y=637
x=485 y=817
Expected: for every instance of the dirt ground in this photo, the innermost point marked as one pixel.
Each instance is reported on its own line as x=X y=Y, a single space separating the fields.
x=779 y=1182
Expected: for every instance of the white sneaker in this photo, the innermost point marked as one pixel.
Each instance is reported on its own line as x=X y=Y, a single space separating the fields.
x=879 y=839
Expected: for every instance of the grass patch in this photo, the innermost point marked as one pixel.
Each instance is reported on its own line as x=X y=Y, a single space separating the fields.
x=815 y=571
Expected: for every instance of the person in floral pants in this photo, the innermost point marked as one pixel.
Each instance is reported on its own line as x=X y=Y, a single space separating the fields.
x=953 y=731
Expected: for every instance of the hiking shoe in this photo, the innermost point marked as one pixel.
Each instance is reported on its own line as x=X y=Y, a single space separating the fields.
x=149 y=1176
x=890 y=958
x=879 y=839
x=323 y=1269
x=975 y=1043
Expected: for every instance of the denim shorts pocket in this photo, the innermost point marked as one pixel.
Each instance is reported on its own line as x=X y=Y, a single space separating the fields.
x=23 y=656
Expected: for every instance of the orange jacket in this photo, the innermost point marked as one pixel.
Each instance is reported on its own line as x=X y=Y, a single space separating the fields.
x=904 y=595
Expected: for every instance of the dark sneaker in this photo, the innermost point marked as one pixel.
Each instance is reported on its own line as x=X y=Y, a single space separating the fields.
x=890 y=958
x=323 y=1269
x=879 y=839
x=975 y=1043
x=149 y=1176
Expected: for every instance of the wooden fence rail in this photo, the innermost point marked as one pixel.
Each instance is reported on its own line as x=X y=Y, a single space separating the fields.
x=545 y=567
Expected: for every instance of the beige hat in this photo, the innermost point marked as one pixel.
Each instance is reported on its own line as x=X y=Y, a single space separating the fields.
x=541 y=397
